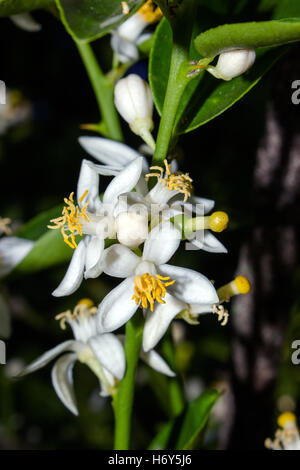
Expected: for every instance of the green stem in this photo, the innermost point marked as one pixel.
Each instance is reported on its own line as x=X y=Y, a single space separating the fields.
x=175 y=88
x=104 y=91
x=182 y=26
x=123 y=401
x=176 y=397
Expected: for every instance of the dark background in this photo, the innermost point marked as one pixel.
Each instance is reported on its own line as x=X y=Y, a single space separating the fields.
x=248 y=161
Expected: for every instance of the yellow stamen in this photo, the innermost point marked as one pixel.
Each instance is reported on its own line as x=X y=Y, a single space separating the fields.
x=222 y=313
x=150 y=12
x=178 y=181
x=87 y=302
x=4 y=223
x=149 y=288
x=84 y=309
x=125 y=8
x=285 y=418
x=71 y=220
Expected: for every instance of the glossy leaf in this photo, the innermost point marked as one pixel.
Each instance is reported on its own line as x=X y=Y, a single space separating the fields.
x=182 y=432
x=49 y=250
x=37 y=226
x=287 y=9
x=87 y=20
x=247 y=35
x=13 y=7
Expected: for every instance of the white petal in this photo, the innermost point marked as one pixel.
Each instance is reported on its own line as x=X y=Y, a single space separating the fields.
x=104 y=392
x=119 y=261
x=88 y=181
x=26 y=21
x=132 y=27
x=124 y=181
x=198 y=309
x=162 y=243
x=141 y=186
x=160 y=194
x=208 y=242
x=154 y=360
x=133 y=98
x=108 y=170
x=45 y=358
x=109 y=152
x=74 y=274
x=190 y=286
x=117 y=307
x=206 y=205
x=158 y=321
x=62 y=381
x=126 y=50
x=12 y=251
x=94 y=252
x=133 y=198
x=110 y=353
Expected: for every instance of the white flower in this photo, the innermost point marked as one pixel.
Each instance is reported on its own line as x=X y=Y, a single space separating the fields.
x=173 y=188
x=171 y=198
x=233 y=63
x=286 y=438
x=96 y=220
x=128 y=35
x=133 y=100
x=115 y=156
x=12 y=251
x=102 y=352
x=150 y=280
x=158 y=320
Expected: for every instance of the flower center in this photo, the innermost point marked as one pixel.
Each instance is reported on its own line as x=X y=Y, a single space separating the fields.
x=4 y=226
x=150 y=12
x=70 y=221
x=149 y=288
x=178 y=181
x=84 y=309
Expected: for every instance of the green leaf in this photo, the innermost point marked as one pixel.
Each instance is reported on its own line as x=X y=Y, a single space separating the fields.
x=37 y=226
x=286 y=9
x=205 y=97
x=182 y=432
x=13 y=7
x=87 y=20
x=49 y=250
x=247 y=35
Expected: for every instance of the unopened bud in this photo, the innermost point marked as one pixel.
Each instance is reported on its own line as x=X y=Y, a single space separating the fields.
x=233 y=63
x=133 y=100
